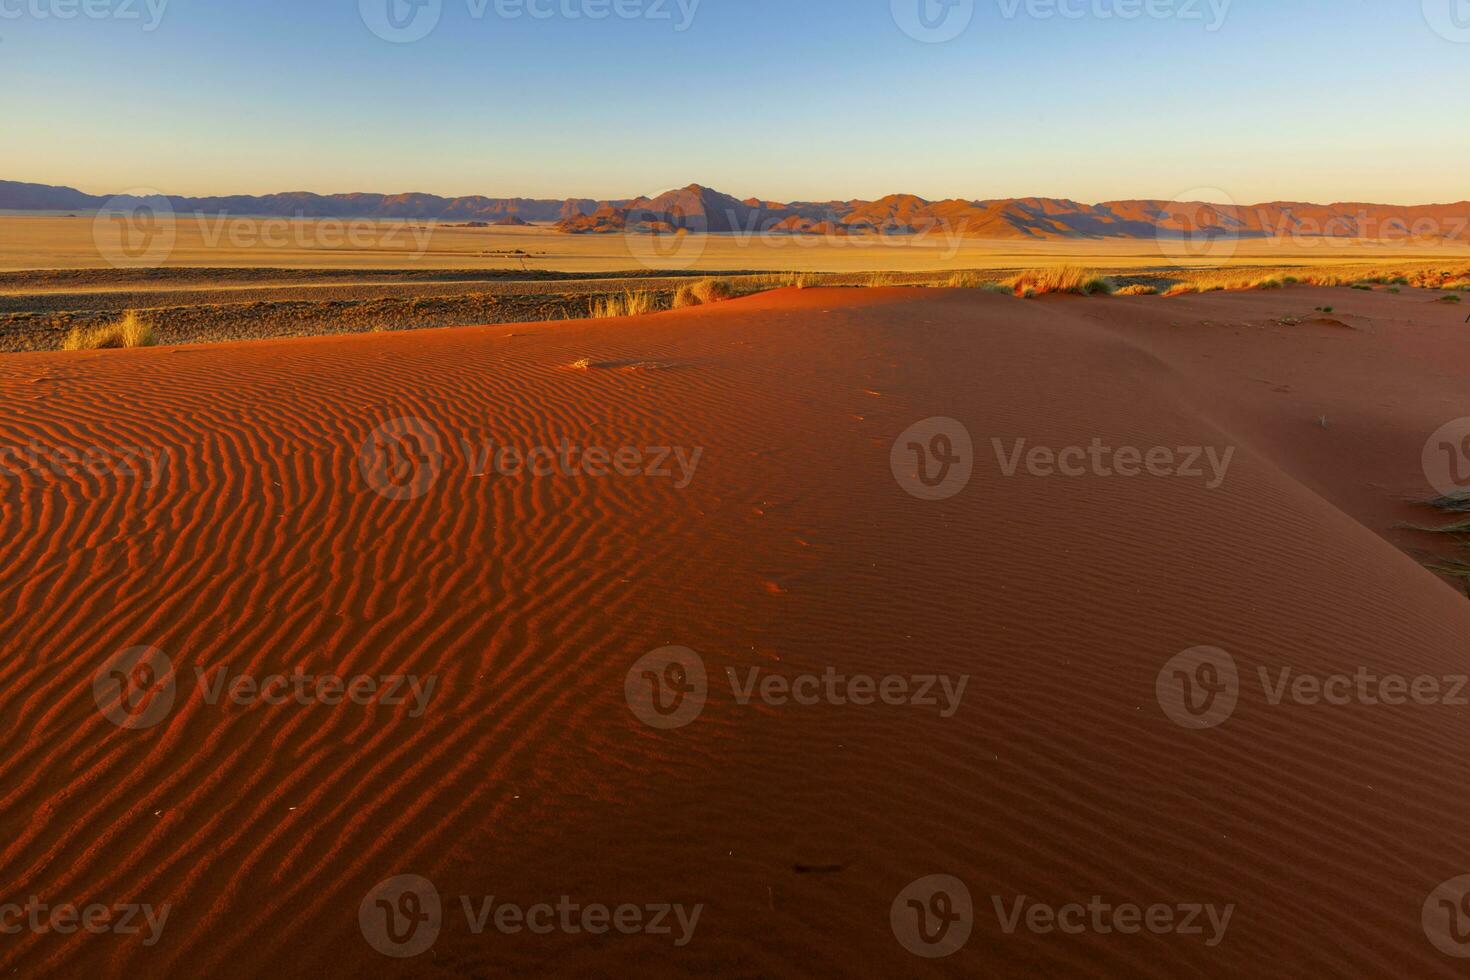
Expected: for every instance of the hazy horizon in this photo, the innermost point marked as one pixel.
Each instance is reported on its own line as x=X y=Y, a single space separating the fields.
x=737 y=193
x=823 y=101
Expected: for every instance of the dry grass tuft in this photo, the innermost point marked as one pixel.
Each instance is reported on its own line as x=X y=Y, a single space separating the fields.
x=974 y=280
x=1138 y=290
x=630 y=303
x=800 y=280
x=1456 y=566
x=684 y=297
x=130 y=331
x=1062 y=279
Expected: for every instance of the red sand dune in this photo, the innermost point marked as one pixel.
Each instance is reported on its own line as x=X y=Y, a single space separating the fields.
x=793 y=549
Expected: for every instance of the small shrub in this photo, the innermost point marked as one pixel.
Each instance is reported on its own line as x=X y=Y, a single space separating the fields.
x=713 y=290
x=703 y=292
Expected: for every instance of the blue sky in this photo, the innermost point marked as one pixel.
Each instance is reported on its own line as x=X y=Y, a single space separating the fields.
x=1289 y=99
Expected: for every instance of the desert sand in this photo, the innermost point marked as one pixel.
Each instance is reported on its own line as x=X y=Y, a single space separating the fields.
x=263 y=547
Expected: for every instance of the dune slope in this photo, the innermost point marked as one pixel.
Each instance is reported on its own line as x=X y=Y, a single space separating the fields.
x=263 y=547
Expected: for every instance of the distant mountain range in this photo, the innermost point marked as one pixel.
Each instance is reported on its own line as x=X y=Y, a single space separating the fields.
x=15 y=196
x=701 y=209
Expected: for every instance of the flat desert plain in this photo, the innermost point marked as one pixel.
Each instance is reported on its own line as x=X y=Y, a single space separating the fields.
x=277 y=521
x=30 y=241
